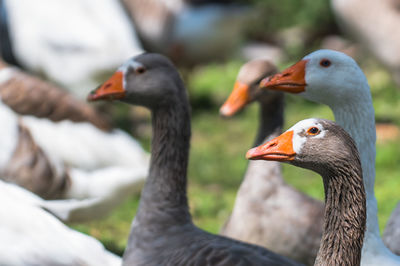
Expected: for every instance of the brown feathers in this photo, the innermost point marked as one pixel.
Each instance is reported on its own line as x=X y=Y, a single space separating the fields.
x=28 y=95
x=30 y=168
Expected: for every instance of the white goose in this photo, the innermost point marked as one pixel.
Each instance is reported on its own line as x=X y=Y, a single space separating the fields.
x=374 y=25
x=335 y=79
x=32 y=236
x=65 y=159
x=73 y=42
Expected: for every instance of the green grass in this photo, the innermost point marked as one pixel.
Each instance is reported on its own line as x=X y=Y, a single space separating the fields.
x=217 y=162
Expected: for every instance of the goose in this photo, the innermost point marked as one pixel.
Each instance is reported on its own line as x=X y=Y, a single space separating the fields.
x=324 y=147
x=189 y=32
x=61 y=148
x=264 y=198
x=373 y=24
x=32 y=236
x=69 y=41
x=162 y=231
x=333 y=78
x=26 y=94
x=391 y=235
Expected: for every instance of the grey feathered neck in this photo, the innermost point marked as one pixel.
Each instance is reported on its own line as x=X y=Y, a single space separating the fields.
x=165 y=187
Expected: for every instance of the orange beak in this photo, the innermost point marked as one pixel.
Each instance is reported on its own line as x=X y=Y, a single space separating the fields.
x=277 y=149
x=237 y=100
x=291 y=79
x=112 y=89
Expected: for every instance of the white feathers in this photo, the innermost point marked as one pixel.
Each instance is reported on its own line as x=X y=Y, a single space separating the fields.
x=104 y=168
x=125 y=66
x=6 y=74
x=300 y=128
x=129 y=64
x=84 y=146
x=74 y=42
x=31 y=236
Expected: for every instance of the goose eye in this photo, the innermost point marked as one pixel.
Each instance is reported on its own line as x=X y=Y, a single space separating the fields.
x=325 y=63
x=313 y=131
x=140 y=70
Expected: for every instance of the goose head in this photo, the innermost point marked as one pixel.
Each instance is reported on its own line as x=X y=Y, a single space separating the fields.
x=316 y=144
x=324 y=76
x=246 y=88
x=150 y=80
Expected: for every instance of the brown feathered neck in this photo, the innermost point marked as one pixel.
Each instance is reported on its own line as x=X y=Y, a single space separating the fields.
x=345 y=215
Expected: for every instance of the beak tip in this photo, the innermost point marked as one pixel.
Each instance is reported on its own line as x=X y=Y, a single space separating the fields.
x=225 y=111
x=264 y=82
x=250 y=153
x=92 y=96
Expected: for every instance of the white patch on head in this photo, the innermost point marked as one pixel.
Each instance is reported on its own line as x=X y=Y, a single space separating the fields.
x=6 y=74
x=301 y=127
x=129 y=64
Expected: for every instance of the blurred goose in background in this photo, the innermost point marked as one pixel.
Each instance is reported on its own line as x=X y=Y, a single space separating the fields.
x=391 y=235
x=28 y=95
x=32 y=236
x=188 y=31
x=162 y=232
x=374 y=25
x=335 y=79
x=57 y=147
x=267 y=211
x=74 y=43
x=324 y=147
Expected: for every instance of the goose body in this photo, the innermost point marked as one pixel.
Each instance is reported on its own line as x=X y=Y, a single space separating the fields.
x=324 y=147
x=32 y=236
x=162 y=231
x=188 y=32
x=335 y=79
x=58 y=147
x=391 y=235
x=373 y=24
x=70 y=41
x=267 y=211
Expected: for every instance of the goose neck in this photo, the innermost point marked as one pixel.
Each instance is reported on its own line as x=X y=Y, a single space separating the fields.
x=164 y=197
x=358 y=119
x=270 y=117
x=344 y=218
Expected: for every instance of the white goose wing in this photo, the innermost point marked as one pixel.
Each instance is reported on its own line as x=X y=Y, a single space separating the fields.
x=31 y=236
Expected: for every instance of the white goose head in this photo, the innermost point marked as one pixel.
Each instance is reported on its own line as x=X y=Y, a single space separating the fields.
x=324 y=76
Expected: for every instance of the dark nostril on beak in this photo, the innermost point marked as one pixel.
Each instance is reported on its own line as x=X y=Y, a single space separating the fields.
x=285 y=74
x=272 y=145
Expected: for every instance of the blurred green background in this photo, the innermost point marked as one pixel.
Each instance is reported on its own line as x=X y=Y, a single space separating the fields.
x=217 y=161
